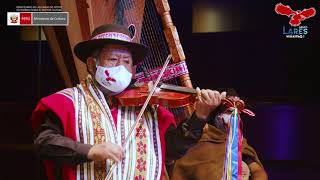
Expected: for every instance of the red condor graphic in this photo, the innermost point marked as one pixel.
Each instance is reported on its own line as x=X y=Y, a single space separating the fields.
x=108 y=77
x=296 y=17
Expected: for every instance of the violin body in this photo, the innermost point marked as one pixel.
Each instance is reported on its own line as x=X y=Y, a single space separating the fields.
x=171 y=96
x=137 y=96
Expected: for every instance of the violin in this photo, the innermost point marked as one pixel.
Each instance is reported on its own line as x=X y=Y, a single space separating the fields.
x=166 y=95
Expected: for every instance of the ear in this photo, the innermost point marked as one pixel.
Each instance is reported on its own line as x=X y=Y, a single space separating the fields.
x=134 y=70
x=91 y=65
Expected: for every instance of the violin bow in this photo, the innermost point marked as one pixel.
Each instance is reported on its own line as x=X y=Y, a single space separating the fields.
x=134 y=126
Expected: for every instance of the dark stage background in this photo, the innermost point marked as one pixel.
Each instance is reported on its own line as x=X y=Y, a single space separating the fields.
x=277 y=76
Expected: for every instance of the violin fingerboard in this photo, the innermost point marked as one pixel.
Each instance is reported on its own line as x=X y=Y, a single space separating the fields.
x=178 y=88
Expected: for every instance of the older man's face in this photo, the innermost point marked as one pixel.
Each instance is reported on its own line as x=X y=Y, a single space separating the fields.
x=115 y=55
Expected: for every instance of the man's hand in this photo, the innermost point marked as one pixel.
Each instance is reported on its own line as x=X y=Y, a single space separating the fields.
x=108 y=150
x=257 y=172
x=207 y=102
x=245 y=171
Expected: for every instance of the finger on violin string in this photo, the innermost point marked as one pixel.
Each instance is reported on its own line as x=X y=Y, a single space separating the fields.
x=198 y=98
x=205 y=94
x=198 y=91
x=217 y=95
x=213 y=94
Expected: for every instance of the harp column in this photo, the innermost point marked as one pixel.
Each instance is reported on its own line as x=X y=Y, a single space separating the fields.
x=172 y=38
x=175 y=46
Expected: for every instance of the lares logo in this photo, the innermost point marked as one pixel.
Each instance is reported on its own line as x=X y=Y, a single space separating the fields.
x=296 y=17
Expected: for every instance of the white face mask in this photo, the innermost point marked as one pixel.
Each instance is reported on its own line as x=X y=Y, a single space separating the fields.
x=115 y=79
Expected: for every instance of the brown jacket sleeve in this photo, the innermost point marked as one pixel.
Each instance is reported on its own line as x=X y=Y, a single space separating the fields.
x=53 y=145
x=180 y=139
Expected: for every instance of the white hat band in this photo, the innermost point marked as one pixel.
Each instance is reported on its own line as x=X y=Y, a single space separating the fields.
x=113 y=35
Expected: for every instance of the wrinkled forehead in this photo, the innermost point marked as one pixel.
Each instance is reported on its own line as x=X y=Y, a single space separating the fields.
x=115 y=49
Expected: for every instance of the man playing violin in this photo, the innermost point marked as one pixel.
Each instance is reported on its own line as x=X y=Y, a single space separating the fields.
x=80 y=131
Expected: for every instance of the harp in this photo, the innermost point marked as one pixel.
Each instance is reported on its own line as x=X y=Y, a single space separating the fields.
x=148 y=20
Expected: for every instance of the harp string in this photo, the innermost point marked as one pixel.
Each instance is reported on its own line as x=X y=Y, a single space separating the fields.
x=160 y=48
x=159 y=37
x=151 y=40
x=154 y=61
x=159 y=33
x=147 y=40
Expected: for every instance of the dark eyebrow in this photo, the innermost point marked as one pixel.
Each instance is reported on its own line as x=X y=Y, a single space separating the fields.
x=126 y=56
